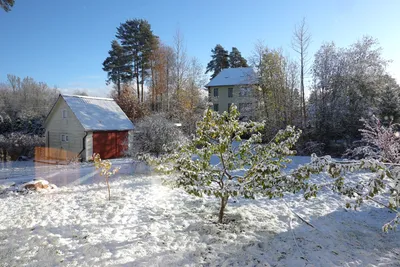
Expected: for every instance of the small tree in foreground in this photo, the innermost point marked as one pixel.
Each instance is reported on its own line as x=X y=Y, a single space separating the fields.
x=218 y=162
x=215 y=163
x=105 y=170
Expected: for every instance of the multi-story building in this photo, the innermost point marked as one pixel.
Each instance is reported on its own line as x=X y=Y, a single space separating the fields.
x=234 y=86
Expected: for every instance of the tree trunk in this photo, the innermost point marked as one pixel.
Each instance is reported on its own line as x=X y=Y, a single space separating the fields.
x=108 y=187
x=137 y=82
x=303 y=99
x=119 y=87
x=167 y=87
x=142 y=82
x=224 y=201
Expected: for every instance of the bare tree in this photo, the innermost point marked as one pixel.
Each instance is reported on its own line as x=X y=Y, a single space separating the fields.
x=180 y=61
x=255 y=59
x=300 y=43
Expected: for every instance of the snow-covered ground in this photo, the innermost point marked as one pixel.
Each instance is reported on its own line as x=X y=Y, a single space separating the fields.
x=148 y=224
x=80 y=173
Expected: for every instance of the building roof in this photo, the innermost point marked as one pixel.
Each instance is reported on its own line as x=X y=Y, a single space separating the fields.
x=98 y=114
x=234 y=76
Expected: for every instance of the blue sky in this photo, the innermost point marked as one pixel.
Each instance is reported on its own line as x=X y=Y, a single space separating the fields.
x=64 y=43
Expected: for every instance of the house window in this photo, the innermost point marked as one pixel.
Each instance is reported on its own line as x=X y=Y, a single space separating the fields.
x=215 y=92
x=216 y=107
x=244 y=91
x=230 y=92
x=229 y=107
x=64 y=113
x=64 y=138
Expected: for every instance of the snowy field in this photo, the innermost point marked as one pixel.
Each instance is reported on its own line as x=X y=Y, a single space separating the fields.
x=148 y=224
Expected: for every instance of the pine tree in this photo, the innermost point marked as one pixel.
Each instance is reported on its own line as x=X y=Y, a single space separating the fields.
x=236 y=60
x=7 y=4
x=219 y=61
x=118 y=66
x=137 y=39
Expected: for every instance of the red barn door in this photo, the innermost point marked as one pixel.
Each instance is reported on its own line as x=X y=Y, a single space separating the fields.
x=109 y=144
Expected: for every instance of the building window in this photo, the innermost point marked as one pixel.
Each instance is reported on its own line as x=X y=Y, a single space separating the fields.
x=215 y=92
x=244 y=91
x=216 y=107
x=64 y=113
x=64 y=138
x=230 y=92
x=229 y=107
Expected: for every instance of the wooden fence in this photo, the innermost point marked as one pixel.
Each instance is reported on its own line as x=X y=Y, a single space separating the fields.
x=51 y=153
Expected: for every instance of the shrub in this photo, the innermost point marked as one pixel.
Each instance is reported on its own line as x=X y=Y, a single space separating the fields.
x=261 y=164
x=153 y=135
x=14 y=145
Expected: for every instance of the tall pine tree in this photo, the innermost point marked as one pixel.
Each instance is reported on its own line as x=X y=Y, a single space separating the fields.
x=236 y=60
x=137 y=39
x=219 y=60
x=118 y=66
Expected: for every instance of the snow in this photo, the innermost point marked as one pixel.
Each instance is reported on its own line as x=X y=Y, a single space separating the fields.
x=80 y=173
x=234 y=76
x=98 y=114
x=149 y=224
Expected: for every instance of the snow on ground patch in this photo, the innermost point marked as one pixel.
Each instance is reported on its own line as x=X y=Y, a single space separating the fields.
x=148 y=224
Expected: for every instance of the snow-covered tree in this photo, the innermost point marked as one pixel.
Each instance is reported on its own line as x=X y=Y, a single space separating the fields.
x=217 y=162
x=378 y=141
x=236 y=60
x=219 y=60
x=245 y=168
x=152 y=135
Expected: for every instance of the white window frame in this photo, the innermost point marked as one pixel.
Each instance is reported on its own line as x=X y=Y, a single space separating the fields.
x=64 y=114
x=216 y=90
x=216 y=105
x=64 y=138
x=230 y=90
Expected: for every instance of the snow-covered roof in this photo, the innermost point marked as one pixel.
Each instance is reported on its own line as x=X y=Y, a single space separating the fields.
x=234 y=76
x=98 y=114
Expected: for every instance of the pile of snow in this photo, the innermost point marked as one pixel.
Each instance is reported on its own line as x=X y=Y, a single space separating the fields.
x=148 y=224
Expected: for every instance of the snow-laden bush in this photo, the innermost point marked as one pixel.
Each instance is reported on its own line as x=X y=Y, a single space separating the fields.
x=14 y=145
x=246 y=170
x=378 y=141
x=152 y=135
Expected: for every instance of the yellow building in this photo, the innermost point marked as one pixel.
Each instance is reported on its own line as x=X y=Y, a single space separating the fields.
x=78 y=126
x=234 y=86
